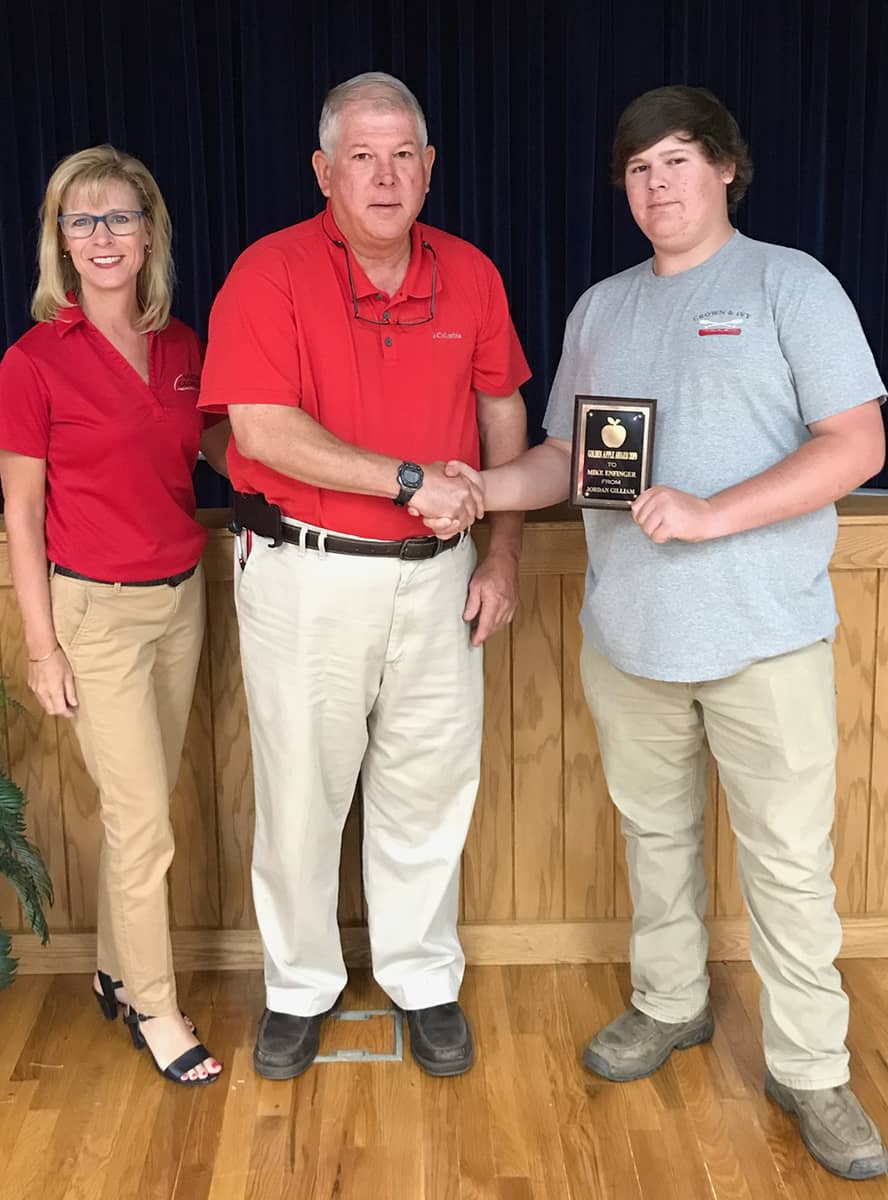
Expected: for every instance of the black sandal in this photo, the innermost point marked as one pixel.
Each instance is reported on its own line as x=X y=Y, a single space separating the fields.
x=109 y=1004
x=179 y=1066
x=107 y=1000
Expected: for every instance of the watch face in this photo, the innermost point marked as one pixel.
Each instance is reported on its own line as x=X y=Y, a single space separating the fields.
x=410 y=475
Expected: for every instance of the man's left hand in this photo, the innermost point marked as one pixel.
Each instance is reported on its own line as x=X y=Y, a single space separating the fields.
x=493 y=595
x=665 y=515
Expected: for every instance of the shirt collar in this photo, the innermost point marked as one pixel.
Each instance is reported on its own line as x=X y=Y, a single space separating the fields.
x=417 y=283
x=68 y=317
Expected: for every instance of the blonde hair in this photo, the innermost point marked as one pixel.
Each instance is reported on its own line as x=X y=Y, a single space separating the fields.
x=56 y=275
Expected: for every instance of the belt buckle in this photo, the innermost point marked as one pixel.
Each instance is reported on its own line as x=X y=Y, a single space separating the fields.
x=418 y=544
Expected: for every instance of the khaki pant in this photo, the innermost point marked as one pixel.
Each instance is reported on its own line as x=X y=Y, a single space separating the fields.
x=355 y=664
x=134 y=652
x=772 y=730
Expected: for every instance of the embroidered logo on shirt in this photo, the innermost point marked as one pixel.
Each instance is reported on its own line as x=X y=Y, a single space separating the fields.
x=720 y=321
x=187 y=382
x=441 y=336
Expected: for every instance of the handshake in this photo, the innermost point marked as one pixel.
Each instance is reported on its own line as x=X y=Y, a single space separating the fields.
x=451 y=498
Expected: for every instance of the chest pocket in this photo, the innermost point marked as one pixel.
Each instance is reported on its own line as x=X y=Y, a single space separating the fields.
x=737 y=347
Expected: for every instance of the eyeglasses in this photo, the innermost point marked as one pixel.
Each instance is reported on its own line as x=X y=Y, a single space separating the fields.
x=82 y=225
x=387 y=320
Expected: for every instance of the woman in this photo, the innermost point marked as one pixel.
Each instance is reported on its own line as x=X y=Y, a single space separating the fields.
x=99 y=434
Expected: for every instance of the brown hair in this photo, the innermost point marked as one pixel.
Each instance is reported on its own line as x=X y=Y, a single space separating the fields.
x=692 y=114
x=56 y=275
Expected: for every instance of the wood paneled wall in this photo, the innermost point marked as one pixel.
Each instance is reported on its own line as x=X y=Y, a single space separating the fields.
x=544 y=873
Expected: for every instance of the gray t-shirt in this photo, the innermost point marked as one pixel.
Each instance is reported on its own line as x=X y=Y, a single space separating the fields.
x=729 y=405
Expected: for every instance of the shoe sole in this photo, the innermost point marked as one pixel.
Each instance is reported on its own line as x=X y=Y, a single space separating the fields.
x=443 y=1070
x=600 y=1066
x=861 y=1168
x=269 y=1072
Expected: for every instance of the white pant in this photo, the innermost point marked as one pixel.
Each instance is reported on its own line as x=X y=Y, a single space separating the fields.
x=772 y=730
x=355 y=664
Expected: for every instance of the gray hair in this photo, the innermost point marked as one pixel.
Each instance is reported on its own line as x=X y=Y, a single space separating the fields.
x=381 y=91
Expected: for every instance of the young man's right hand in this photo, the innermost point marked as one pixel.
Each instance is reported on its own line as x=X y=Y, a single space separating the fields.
x=450 y=499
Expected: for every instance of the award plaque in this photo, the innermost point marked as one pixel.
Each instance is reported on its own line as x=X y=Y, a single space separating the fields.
x=613 y=448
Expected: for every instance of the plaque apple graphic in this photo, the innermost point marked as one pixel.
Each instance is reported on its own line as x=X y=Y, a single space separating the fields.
x=613 y=434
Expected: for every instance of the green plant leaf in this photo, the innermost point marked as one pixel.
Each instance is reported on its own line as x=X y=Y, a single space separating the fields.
x=7 y=701
x=7 y=963
x=21 y=861
x=32 y=896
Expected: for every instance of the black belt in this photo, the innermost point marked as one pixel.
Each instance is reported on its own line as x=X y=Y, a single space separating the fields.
x=409 y=548
x=252 y=511
x=170 y=580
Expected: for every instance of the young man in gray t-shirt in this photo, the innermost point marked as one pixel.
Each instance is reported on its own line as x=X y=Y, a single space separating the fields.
x=708 y=612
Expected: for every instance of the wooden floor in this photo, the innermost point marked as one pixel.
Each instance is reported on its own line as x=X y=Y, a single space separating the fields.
x=82 y=1115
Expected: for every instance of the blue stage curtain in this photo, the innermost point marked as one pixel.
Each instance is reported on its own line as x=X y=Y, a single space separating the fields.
x=221 y=99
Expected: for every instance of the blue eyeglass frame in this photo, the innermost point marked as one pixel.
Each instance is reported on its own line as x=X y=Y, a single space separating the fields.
x=95 y=218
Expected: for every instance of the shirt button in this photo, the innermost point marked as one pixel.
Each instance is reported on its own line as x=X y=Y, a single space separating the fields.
x=378 y=296
x=385 y=316
x=388 y=341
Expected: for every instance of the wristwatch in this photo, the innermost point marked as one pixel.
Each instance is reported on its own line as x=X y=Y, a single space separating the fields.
x=410 y=479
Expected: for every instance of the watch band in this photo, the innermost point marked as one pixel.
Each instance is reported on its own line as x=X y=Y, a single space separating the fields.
x=405 y=495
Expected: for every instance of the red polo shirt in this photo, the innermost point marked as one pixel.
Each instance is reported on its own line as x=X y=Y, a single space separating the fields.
x=119 y=452
x=283 y=331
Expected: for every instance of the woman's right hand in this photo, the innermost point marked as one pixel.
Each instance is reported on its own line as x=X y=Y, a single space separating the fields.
x=52 y=682
x=50 y=678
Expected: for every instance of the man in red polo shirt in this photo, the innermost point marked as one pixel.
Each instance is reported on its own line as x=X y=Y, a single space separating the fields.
x=356 y=353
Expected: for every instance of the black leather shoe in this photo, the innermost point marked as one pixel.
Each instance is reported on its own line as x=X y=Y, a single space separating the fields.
x=440 y=1039
x=287 y=1045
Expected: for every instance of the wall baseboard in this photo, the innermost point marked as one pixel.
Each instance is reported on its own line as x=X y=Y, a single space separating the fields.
x=491 y=944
